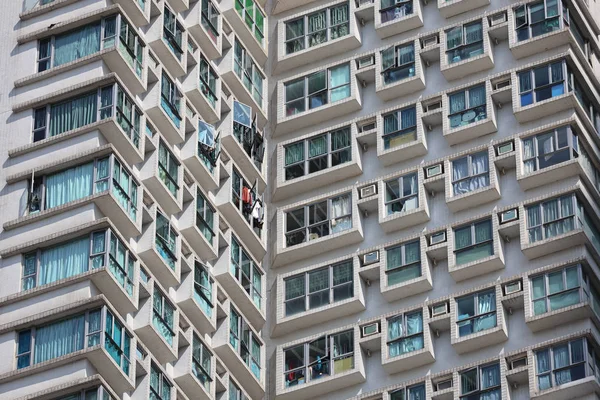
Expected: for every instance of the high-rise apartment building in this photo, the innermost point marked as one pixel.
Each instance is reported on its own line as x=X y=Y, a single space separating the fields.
x=300 y=199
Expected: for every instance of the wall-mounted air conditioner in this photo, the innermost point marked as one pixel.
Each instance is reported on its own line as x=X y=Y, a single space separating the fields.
x=438 y=237
x=497 y=19
x=433 y=170
x=370 y=329
x=505 y=148
x=509 y=215
x=512 y=287
x=371 y=258
x=443 y=385
x=439 y=309
x=433 y=106
x=368 y=191
x=366 y=61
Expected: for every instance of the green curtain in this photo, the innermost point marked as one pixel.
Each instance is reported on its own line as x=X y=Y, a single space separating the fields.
x=73 y=114
x=76 y=44
x=294 y=153
x=340 y=139
x=317 y=146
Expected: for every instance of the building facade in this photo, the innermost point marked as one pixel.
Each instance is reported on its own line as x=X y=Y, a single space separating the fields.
x=295 y=199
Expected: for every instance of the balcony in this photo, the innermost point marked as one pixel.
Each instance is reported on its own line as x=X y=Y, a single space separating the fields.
x=451 y=8
x=167 y=120
x=138 y=11
x=250 y=23
x=204 y=96
x=395 y=17
x=157 y=179
x=244 y=143
x=397 y=212
x=204 y=23
x=244 y=215
x=186 y=370
x=201 y=312
x=203 y=239
x=201 y=160
x=403 y=73
x=470 y=51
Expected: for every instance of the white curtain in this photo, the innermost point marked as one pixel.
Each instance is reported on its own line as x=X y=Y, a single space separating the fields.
x=341 y=213
x=340 y=80
x=486 y=304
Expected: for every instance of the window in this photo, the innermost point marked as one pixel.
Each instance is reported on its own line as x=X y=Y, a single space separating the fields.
x=251 y=13
x=173 y=33
x=467 y=106
x=166 y=240
x=480 y=383
x=564 y=363
x=208 y=81
x=542 y=83
x=318 y=288
x=470 y=173
x=247 y=200
x=209 y=145
x=318 y=153
x=201 y=362
x=210 y=19
x=247 y=134
x=246 y=272
x=235 y=393
x=317 y=89
x=168 y=169
x=245 y=342
x=326 y=356
x=399 y=127
x=317 y=28
x=473 y=242
x=131 y=47
x=549 y=148
x=248 y=72
x=403 y=263
x=402 y=194
x=314 y=221
x=59 y=338
x=551 y=218
x=125 y=189
x=128 y=115
x=398 y=63
x=464 y=42
x=395 y=9
x=405 y=333
x=476 y=312
x=99 y=392
x=203 y=288
x=170 y=100
x=163 y=316
x=160 y=386
x=415 y=392
x=535 y=19
x=205 y=217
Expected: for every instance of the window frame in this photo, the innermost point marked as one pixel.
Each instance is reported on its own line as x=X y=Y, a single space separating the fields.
x=471 y=174
x=172 y=29
x=534 y=89
x=239 y=275
x=403 y=263
x=198 y=363
x=590 y=365
x=467 y=104
x=402 y=198
x=474 y=244
x=205 y=293
x=404 y=317
x=561 y=16
x=463 y=40
x=398 y=64
x=397 y=4
x=246 y=17
x=572 y=144
x=584 y=288
x=388 y=136
x=236 y=198
x=161 y=315
x=479 y=390
x=247 y=73
x=201 y=216
x=476 y=314
x=162 y=380
x=205 y=79
x=575 y=207
x=170 y=158
x=207 y=14
x=245 y=346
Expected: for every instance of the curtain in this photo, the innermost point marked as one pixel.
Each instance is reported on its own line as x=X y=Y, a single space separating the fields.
x=477 y=96
x=408 y=118
x=341 y=206
x=462 y=237
x=388 y=58
x=59 y=339
x=534 y=218
x=63 y=261
x=561 y=359
x=73 y=114
x=390 y=123
x=457 y=102
x=454 y=37
x=486 y=304
x=414 y=323
x=460 y=170
x=340 y=139
x=406 y=54
x=490 y=376
x=525 y=83
x=543 y=365
x=480 y=167
x=395 y=328
x=528 y=154
x=106 y=100
x=77 y=44
x=412 y=252
x=557 y=72
x=416 y=393
x=474 y=32
x=317 y=23
x=340 y=79
x=69 y=185
x=483 y=231
x=317 y=146
x=257 y=285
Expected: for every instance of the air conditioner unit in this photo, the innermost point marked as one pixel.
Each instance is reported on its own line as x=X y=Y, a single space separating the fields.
x=439 y=309
x=442 y=385
x=433 y=170
x=429 y=41
x=501 y=84
x=433 y=106
x=518 y=362
x=498 y=19
x=371 y=258
x=370 y=329
x=509 y=215
x=439 y=237
x=505 y=148
x=368 y=126
x=366 y=61
x=512 y=287
x=368 y=191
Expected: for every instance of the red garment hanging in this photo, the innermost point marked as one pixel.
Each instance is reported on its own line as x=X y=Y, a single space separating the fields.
x=246 y=198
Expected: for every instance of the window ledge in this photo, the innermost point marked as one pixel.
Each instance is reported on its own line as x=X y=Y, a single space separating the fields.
x=550 y=174
x=571 y=390
x=574 y=238
x=394 y=222
x=37 y=11
x=538 y=110
x=475 y=198
x=477 y=267
x=408 y=288
x=452 y=8
x=537 y=44
x=562 y=316
x=326 y=385
x=469 y=66
x=407 y=361
x=403 y=87
x=472 y=131
x=400 y=25
x=479 y=340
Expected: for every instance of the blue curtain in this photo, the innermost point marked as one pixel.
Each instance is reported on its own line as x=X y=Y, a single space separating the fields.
x=77 y=44
x=59 y=338
x=63 y=261
x=340 y=79
x=73 y=113
x=69 y=185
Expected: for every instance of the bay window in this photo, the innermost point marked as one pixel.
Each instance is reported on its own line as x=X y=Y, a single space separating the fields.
x=166 y=240
x=203 y=288
x=245 y=197
x=208 y=81
x=245 y=342
x=205 y=217
x=168 y=169
x=464 y=42
x=173 y=32
x=405 y=333
x=394 y=9
x=481 y=383
x=326 y=356
x=415 y=392
x=398 y=63
x=476 y=312
x=247 y=134
x=473 y=242
x=311 y=222
x=235 y=393
x=470 y=173
x=314 y=289
x=251 y=13
x=539 y=18
x=551 y=218
x=210 y=19
x=317 y=28
x=565 y=362
x=549 y=148
x=248 y=72
x=160 y=385
x=318 y=153
x=170 y=99
x=130 y=46
x=317 y=89
x=68 y=335
x=403 y=262
x=402 y=194
x=542 y=83
x=467 y=106
x=246 y=272
x=399 y=127
x=201 y=362
x=163 y=316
